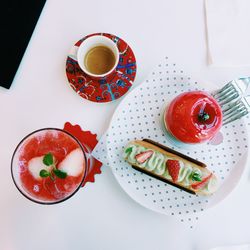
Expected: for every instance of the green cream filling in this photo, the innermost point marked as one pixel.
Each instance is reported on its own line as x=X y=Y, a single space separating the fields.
x=157 y=164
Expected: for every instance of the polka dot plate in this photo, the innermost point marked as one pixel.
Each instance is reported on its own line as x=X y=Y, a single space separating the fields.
x=139 y=116
x=106 y=89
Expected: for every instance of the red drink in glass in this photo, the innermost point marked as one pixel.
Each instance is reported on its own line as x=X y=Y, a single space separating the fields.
x=42 y=181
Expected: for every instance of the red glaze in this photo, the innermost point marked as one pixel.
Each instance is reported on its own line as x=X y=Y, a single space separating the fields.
x=46 y=189
x=183 y=121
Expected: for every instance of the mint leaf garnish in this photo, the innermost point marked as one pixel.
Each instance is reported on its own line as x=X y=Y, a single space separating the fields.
x=44 y=173
x=48 y=159
x=196 y=176
x=129 y=150
x=60 y=174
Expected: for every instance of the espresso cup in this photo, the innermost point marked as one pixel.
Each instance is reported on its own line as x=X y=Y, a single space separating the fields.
x=88 y=46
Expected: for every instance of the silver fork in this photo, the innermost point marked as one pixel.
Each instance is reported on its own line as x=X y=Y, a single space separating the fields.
x=232 y=91
x=234 y=99
x=236 y=110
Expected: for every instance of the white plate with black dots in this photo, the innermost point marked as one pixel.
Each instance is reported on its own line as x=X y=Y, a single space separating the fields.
x=139 y=116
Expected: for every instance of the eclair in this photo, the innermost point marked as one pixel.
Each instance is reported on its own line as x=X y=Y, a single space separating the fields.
x=170 y=166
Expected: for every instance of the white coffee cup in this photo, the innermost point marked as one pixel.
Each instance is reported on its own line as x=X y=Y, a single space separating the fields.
x=94 y=41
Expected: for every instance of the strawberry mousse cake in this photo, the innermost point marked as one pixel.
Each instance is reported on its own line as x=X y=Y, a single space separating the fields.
x=193 y=117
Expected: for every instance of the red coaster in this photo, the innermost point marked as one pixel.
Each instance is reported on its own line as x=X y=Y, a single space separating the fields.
x=109 y=88
x=88 y=141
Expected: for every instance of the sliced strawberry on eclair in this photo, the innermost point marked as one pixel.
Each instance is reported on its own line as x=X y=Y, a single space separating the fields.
x=201 y=184
x=142 y=157
x=173 y=167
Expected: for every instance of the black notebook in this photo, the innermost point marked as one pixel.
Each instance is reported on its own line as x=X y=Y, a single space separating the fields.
x=18 y=20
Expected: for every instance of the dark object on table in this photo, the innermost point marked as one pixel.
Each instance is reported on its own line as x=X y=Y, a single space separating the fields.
x=18 y=20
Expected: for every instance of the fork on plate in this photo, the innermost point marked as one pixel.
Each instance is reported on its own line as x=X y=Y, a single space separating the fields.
x=234 y=99
x=236 y=110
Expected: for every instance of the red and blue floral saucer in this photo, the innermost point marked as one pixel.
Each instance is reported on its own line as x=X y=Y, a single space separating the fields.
x=106 y=89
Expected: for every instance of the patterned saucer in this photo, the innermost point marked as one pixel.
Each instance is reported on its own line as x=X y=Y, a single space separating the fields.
x=107 y=89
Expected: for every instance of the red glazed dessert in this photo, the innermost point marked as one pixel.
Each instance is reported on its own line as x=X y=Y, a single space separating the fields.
x=193 y=117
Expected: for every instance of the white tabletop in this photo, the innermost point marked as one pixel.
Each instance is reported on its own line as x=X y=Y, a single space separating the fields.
x=102 y=215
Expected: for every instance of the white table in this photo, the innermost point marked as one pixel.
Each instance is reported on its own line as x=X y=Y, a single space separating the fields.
x=102 y=216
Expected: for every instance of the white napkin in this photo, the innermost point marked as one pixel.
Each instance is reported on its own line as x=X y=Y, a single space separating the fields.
x=228 y=32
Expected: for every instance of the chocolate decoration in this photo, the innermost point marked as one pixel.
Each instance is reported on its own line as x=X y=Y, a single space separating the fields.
x=170 y=150
x=162 y=179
